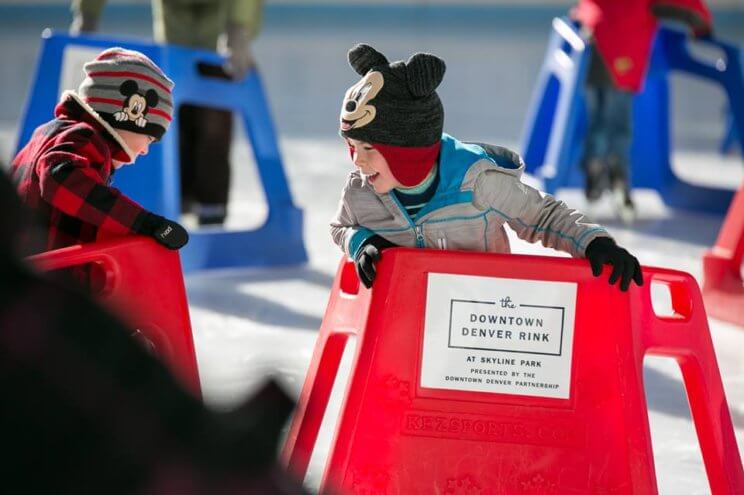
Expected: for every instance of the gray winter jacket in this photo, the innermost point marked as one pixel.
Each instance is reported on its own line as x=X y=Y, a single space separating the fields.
x=479 y=191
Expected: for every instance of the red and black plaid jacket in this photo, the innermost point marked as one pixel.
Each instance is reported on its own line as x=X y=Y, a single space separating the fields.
x=63 y=175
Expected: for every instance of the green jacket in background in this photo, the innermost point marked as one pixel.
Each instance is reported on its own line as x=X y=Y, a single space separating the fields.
x=193 y=23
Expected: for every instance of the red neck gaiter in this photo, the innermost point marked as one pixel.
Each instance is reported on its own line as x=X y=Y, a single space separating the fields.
x=410 y=165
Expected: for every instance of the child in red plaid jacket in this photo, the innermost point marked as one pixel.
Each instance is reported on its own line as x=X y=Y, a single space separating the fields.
x=63 y=173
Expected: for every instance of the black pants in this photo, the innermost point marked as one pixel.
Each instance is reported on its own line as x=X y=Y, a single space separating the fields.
x=205 y=135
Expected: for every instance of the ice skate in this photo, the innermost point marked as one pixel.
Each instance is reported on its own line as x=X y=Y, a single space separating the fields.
x=596 y=180
x=624 y=206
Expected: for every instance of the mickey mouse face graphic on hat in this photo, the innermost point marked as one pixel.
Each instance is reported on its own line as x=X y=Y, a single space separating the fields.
x=136 y=105
x=356 y=110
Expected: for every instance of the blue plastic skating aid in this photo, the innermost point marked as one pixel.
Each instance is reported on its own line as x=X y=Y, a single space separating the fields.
x=730 y=136
x=556 y=123
x=155 y=180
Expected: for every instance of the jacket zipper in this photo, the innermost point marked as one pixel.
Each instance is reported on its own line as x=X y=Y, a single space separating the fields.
x=419 y=236
x=417 y=229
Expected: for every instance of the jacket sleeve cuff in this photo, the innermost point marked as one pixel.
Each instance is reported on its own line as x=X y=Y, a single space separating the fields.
x=589 y=236
x=356 y=240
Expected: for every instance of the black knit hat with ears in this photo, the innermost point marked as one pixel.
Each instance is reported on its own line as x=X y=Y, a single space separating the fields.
x=394 y=103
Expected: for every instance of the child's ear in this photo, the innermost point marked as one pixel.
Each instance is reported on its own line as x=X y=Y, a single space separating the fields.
x=151 y=97
x=363 y=57
x=425 y=72
x=128 y=87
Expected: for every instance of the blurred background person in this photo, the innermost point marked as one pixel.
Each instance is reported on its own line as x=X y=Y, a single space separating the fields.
x=205 y=134
x=621 y=34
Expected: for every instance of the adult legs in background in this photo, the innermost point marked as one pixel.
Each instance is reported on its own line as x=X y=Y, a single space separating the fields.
x=595 y=144
x=606 y=159
x=619 y=119
x=186 y=137
x=205 y=137
x=205 y=134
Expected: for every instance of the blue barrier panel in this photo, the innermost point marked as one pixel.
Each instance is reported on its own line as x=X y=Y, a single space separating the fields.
x=556 y=123
x=730 y=136
x=155 y=180
x=556 y=111
x=149 y=183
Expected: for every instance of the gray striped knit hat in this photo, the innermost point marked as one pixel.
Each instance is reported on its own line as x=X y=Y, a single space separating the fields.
x=128 y=91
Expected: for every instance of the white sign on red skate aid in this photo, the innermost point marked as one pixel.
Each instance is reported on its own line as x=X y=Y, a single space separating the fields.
x=498 y=335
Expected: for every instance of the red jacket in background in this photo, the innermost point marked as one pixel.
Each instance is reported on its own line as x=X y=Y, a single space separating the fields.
x=63 y=175
x=623 y=31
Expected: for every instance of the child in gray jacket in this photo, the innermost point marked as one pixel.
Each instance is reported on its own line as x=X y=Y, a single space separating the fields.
x=416 y=186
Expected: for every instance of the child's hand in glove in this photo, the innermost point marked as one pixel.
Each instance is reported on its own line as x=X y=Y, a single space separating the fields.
x=625 y=266
x=367 y=256
x=167 y=232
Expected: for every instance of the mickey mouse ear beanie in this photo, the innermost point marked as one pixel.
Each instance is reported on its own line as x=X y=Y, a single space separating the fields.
x=395 y=108
x=128 y=91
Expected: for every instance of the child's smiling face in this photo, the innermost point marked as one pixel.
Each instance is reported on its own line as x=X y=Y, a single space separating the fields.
x=372 y=165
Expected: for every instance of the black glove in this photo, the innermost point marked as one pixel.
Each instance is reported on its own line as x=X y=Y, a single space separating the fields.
x=167 y=232
x=625 y=266
x=368 y=255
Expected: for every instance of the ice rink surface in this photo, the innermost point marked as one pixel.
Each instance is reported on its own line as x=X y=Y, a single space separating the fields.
x=255 y=322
